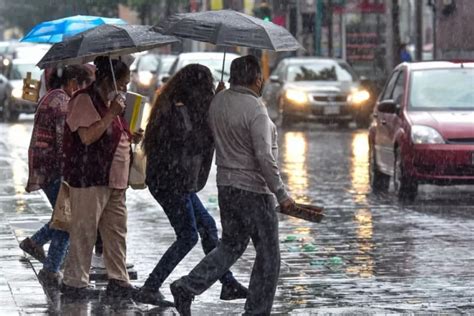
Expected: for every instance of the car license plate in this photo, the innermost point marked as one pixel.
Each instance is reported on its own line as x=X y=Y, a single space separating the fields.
x=331 y=110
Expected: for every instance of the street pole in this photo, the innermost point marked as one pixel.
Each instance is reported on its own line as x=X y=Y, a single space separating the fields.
x=419 y=30
x=330 y=29
x=343 y=36
x=318 y=17
x=389 y=36
x=298 y=24
x=435 y=34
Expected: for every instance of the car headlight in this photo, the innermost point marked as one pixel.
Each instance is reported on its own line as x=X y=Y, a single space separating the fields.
x=358 y=96
x=6 y=62
x=296 y=96
x=425 y=135
x=144 y=77
x=17 y=93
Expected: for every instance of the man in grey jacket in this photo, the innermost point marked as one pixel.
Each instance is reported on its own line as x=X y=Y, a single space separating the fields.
x=247 y=178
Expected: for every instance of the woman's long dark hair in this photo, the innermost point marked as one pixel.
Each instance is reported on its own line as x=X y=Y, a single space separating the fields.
x=103 y=69
x=193 y=85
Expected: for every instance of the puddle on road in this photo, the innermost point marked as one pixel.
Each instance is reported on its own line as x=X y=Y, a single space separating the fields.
x=294 y=164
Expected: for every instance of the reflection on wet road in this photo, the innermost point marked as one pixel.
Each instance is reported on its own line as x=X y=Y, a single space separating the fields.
x=370 y=251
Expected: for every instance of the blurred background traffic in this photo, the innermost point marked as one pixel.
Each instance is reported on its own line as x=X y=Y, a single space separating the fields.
x=355 y=44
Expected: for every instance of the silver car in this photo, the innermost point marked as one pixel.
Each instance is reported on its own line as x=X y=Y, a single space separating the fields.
x=316 y=89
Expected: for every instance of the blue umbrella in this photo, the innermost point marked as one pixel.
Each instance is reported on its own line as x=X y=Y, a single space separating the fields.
x=56 y=30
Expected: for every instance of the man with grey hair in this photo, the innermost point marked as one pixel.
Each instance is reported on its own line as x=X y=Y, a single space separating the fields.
x=247 y=179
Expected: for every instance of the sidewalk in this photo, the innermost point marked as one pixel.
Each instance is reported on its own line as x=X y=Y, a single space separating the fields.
x=21 y=214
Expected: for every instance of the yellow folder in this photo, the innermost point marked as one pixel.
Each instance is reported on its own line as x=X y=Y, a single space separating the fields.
x=134 y=109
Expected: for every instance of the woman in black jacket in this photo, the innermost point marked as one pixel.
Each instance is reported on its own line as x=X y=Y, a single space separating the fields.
x=179 y=148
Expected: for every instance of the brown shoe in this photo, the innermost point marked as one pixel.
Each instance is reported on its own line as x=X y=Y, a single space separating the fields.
x=50 y=279
x=34 y=250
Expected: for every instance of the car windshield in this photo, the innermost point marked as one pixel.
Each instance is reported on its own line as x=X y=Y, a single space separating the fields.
x=148 y=63
x=321 y=71
x=215 y=65
x=442 y=89
x=18 y=71
x=166 y=63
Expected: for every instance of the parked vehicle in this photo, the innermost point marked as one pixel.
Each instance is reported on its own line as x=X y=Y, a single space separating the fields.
x=212 y=60
x=316 y=89
x=423 y=131
x=148 y=71
x=14 y=104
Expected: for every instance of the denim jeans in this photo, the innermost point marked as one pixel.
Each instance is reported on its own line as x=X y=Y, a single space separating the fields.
x=245 y=215
x=59 y=239
x=188 y=217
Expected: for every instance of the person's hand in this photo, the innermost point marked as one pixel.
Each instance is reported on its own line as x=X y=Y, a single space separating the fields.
x=220 y=87
x=117 y=105
x=287 y=205
x=137 y=136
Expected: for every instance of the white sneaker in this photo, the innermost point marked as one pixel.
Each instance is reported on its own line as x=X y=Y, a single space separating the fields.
x=98 y=262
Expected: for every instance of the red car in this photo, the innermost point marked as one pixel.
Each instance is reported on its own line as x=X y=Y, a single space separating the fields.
x=423 y=128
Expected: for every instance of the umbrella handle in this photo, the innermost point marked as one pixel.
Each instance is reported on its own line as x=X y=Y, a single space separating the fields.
x=113 y=74
x=223 y=63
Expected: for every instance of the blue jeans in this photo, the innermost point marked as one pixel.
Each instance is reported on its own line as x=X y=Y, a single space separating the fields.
x=59 y=239
x=188 y=217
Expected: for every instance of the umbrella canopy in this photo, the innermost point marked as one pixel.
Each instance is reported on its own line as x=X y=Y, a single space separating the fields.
x=56 y=30
x=106 y=39
x=229 y=28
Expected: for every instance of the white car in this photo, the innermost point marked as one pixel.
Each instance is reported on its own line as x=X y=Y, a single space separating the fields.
x=211 y=60
x=14 y=104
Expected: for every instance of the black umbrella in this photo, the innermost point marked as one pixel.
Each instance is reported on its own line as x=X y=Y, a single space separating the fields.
x=229 y=28
x=111 y=40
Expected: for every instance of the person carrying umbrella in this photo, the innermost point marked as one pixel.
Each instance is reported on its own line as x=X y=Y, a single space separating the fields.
x=96 y=165
x=247 y=178
x=179 y=148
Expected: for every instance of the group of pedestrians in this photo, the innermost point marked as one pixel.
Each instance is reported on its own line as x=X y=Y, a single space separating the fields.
x=189 y=120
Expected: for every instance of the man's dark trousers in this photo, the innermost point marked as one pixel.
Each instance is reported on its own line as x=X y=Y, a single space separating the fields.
x=244 y=215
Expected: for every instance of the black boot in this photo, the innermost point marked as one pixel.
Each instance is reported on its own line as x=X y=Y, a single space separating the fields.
x=120 y=289
x=182 y=298
x=79 y=292
x=149 y=295
x=233 y=291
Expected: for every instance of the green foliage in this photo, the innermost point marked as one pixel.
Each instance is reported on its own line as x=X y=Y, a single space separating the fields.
x=25 y=14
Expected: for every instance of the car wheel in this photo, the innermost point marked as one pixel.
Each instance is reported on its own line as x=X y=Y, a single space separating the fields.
x=9 y=115
x=405 y=188
x=379 y=182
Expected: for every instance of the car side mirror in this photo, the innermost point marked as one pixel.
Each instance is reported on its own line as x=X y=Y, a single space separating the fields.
x=388 y=106
x=165 y=78
x=275 y=79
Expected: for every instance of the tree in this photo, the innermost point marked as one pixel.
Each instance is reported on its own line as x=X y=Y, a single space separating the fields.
x=25 y=14
x=152 y=11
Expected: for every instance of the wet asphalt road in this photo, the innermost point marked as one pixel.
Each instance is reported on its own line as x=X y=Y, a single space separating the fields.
x=370 y=254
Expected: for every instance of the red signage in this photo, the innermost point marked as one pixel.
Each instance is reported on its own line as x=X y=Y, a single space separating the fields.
x=360 y=6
